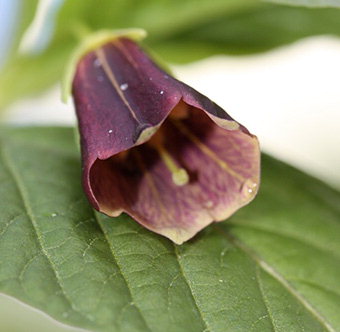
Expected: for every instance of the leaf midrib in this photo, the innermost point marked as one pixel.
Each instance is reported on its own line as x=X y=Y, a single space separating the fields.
x=121 y=271
x=204 y=320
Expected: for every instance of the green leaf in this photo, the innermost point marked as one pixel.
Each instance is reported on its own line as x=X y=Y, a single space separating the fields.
x=308 y=3
x=273 y=266
x=254 y=29
x=181 y=31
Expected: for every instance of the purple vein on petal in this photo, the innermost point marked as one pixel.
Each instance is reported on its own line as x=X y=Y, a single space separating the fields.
x=120 y=46
x=151 y=182
x=206 y=150
x=108 y=71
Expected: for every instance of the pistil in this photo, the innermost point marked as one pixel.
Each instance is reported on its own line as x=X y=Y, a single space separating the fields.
x=180 y=176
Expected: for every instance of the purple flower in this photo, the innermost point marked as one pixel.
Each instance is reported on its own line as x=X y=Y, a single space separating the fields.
x=157 y=149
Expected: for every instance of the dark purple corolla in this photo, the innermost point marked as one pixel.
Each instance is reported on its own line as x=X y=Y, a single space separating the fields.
x=157 y=149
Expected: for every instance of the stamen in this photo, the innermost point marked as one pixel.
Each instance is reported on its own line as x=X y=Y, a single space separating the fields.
x=206 y=150
x=180 y=176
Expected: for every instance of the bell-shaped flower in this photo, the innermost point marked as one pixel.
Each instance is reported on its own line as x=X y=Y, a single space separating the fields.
x=155 y=148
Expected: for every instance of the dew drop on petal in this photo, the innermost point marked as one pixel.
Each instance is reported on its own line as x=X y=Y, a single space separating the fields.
x=110 y=131
x=249 y=187
x=161 y=92
x=124 y=86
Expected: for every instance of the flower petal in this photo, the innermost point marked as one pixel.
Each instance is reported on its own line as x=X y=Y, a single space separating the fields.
x=122 y=97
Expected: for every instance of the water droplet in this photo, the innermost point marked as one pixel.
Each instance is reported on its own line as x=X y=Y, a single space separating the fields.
x=249 y=187
x=53 y=215
x=161 y=92
x=124 y=86
x=97 y=63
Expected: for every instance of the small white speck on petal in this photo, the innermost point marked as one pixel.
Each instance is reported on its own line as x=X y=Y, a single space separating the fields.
x=161 y=92
x=124 y=86
x=110 y=131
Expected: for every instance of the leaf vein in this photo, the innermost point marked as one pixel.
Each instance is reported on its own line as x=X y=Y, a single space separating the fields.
x=277 y=276
x=207 y=328
x=26 y=205
x=291 y=237
x=8 y=224
x=265 y=299
x=120 y=270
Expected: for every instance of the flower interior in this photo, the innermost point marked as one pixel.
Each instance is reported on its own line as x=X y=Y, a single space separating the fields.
x=189 y=173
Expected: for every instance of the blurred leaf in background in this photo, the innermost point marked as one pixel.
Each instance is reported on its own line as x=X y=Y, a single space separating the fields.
x=180 y=31
x=308 y=3
x=254 y=29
